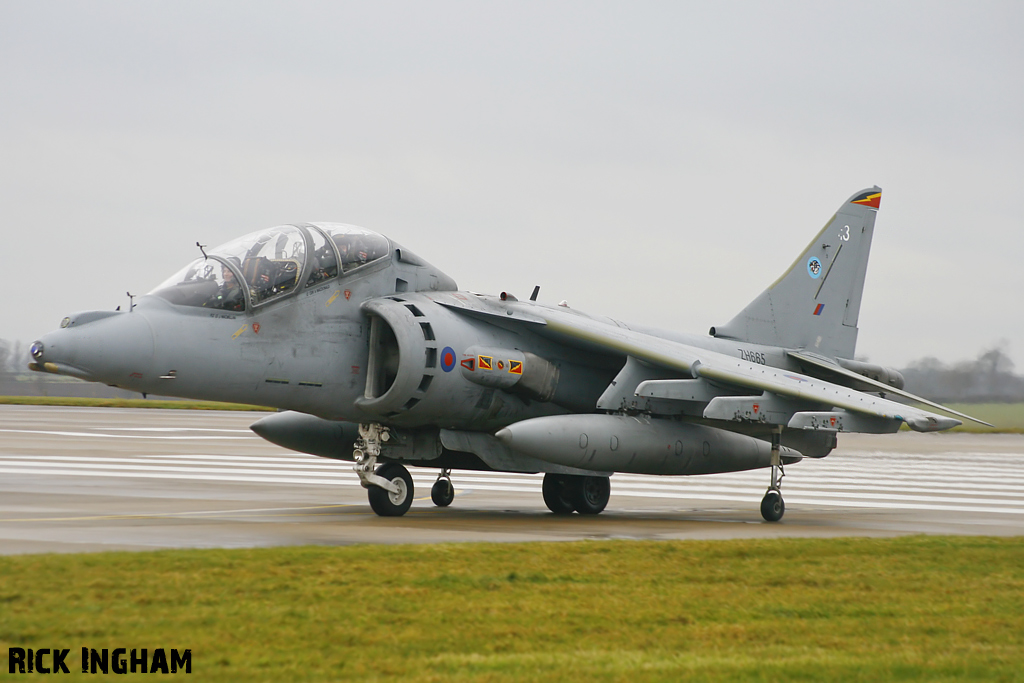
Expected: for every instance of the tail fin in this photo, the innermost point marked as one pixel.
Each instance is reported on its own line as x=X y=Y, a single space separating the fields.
x=815 y=304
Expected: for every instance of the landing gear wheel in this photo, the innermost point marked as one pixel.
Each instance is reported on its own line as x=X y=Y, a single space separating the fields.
x=772 y=506
x=557 y=492
x=590 y=494
x=386 y=503
x=442 y=493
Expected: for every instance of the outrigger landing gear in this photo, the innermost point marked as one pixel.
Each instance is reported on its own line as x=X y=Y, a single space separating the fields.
x=442 y=492
x=389 y=488
x=772 y=505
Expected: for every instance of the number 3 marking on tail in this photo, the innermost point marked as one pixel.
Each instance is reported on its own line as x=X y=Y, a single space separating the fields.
x=844 y=234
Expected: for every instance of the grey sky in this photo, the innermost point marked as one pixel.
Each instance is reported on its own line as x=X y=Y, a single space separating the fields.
x=657 y=162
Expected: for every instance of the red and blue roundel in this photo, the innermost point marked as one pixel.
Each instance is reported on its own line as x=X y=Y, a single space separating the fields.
x=448 y=359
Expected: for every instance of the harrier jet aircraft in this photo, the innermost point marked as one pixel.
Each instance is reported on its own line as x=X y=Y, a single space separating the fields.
x=375 y=356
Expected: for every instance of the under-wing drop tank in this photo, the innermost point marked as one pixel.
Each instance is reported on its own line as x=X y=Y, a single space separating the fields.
x=638 y=444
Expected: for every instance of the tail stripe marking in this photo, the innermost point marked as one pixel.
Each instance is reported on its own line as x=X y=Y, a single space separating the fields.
x=873 y=200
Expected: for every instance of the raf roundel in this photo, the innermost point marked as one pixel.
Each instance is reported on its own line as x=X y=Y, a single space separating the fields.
x=814 y=267
x=448 y=359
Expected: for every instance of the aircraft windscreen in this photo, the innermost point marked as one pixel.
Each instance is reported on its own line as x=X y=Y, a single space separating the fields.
x=270 y=260
x=204 y=282
x=356 y=246
x=325 y=262
x=270 y=263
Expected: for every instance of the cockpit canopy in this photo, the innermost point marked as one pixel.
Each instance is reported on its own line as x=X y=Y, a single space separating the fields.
x=265 y=265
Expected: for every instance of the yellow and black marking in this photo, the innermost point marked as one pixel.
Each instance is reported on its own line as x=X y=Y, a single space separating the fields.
x=311 y=384
x=238 y=333
x=274 y=380
x=871 y=199
x=333 y=297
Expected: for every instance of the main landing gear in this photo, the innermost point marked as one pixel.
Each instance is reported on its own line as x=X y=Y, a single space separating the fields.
x=772 y=505
x=565 y=493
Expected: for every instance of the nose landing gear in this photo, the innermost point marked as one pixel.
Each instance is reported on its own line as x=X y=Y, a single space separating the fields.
x=396 y=499
x=389 y=487
x=772 y=505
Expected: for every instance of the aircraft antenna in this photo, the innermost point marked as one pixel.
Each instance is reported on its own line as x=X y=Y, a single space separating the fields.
x=536 y=291
x=131 y=301
x=202 y=248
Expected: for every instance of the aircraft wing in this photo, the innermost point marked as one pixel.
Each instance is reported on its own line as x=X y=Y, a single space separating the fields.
x=726 y=370
x=803 y=388
x=840 y=370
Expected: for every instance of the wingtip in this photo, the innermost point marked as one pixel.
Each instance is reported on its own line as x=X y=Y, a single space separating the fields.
x=966 y=416
x=931 y=423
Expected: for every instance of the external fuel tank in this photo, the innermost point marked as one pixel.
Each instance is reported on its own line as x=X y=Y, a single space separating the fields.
x=638 y=444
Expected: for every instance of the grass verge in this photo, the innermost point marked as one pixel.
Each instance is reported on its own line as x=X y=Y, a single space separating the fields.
x=932 y=608
x=125 y=403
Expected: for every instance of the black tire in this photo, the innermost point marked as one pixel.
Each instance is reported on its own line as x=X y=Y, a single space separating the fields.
x=772 y=506
x=385 y=503
x=442 y=493
x=590 y=494
x=557 y=493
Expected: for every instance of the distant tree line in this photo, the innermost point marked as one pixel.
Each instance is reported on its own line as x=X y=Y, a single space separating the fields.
x=988 y=378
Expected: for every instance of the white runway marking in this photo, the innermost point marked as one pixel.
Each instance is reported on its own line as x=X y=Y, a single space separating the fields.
x=971 y=482
x=172 y=429
x=119 y=436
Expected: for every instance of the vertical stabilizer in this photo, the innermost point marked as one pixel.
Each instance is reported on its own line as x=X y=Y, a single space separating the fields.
x=816 y=302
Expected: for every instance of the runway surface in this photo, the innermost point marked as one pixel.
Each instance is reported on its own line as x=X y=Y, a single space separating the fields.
x=90 y=479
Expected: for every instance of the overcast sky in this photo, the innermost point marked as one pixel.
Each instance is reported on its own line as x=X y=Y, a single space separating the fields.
x=660 y=163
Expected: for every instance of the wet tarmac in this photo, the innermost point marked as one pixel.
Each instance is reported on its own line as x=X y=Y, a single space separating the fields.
x=93 y=479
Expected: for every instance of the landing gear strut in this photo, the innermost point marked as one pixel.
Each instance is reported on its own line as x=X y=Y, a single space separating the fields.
x=442 y=492
x=772 y=505
x=389 y=487
x=564 y=493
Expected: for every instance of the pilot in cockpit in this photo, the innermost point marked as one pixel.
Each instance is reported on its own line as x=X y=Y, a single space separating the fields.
x=353 y=253
x=229 y=294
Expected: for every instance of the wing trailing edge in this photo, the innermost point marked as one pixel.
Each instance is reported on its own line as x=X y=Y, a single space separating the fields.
x=840 y=370
x=725 y=370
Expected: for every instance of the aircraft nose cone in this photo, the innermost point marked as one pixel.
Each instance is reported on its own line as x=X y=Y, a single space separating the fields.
x=97 y=346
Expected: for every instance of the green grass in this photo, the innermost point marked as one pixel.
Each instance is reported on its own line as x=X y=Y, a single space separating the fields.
x=912 y=608
x=125 y=403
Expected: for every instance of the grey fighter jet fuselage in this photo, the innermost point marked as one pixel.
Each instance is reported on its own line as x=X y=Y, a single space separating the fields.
x=375 y=356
